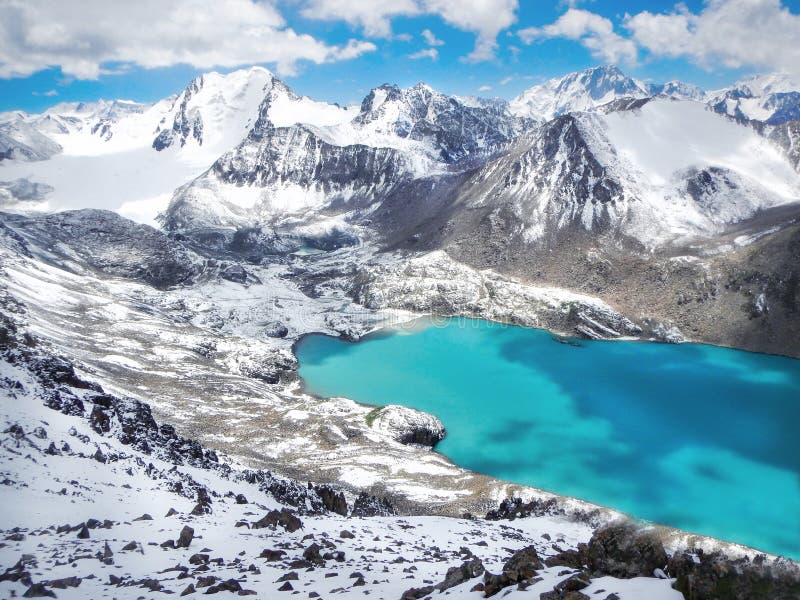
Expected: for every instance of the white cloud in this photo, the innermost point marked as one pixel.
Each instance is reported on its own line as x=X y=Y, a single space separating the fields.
x=47 y=93
x=81 y=38
x=762 y=34
x=431 y=39
x=485 y=88
x=485 y=18
x=506 y=80
x=733 y=33
x=431 y=53
x=374 y=16
x=593 y=31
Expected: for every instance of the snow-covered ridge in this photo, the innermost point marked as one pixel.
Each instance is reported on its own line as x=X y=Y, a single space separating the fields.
x=579 y=91
x=658 y=171
x=231 y=150
x=773 y=99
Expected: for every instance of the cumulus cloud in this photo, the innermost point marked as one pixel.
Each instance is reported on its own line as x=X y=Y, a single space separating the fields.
x=593 y=31
x=485 y=18
x=431 y=39
x=82 y=38
x=733 y=33
x=374 y=17
x=431 y=53
x=762 y=34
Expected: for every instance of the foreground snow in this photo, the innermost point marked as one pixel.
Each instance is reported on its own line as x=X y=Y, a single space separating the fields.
x=58 y=471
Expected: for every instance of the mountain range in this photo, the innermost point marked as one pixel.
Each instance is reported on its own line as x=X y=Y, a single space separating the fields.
x=593 y=162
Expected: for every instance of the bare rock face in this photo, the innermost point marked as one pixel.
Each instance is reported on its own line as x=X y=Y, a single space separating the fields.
x=406 y=425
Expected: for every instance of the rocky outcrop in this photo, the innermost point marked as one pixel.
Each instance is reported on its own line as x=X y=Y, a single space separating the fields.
x=112 y=244
x=625 y=550
x=713 y=575
x=406 y=425
x=521 y=567
x=436 y=283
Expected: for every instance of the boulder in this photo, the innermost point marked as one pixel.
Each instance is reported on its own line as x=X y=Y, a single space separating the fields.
x=285 y=518
x=625 y=550
x=185 y=537
x=406 y=425
x=332 y=500
x=522 y=566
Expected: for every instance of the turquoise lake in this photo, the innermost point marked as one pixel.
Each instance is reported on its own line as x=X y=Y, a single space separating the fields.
x=702 y=438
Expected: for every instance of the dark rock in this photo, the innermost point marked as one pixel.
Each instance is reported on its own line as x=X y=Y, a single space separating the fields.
x=198 y=559
x=154 y=585
x=38 y=590
x=240 y=499
x=100 y=420
x=713 y=575
x=185 y=537
x=235 y=273
x=522 y=565
x=230 y=585
x=83 y=534
x=130 y=546
x=567 y=558
x=574 y=583
x=206 y=581
x=312 y=553
x=286 y=587
x=346 y=535
x=371 y=506
x=625 y=551
x=64 y=583
x=290 y=576
x=144 y=517
x=272 y=555
x=275 y=330
x=417 y=593
x=285 y=518
x=331 y=500
x=188 y=590
x=458 y=575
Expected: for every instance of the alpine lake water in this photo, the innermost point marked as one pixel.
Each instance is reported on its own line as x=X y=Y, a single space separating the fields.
x=698 y=437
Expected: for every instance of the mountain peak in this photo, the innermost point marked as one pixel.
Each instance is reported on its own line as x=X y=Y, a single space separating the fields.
x=578 y=91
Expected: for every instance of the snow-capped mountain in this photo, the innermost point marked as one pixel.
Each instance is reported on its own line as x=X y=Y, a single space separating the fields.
x=243 y=148
x=772 y=99
x=579 y=91
x=285 y=167
x=664 y=170
x=22 y=141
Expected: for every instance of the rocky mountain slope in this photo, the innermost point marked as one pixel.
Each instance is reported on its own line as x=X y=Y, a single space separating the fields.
x=104 y=494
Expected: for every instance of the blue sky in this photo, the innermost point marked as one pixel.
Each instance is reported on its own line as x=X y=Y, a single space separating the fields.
x=337 y=50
